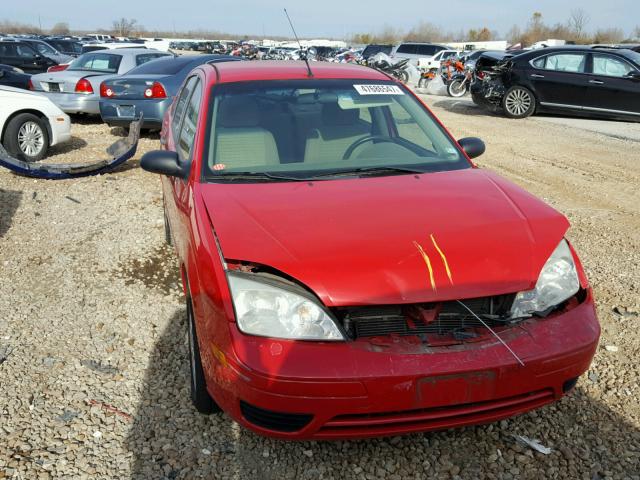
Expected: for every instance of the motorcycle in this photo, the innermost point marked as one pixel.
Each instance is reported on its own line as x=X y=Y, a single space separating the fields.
x=401 y=70
x=461 y=82
x=449 y=69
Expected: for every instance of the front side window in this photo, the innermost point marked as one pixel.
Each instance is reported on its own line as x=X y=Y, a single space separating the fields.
x=563 y=62
x=610 y=66
x=44 y=49
x=188 y=130
x=181 y=104
x=315 y=128
x=97 y=62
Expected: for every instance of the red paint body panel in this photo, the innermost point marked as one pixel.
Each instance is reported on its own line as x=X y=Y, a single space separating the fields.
x=351 y=241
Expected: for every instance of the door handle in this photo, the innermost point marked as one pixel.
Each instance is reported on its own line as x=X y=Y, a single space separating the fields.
x=596 y=82
x=535 y=75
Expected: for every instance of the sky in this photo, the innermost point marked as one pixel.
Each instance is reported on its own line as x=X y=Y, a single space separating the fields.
x=326 y=18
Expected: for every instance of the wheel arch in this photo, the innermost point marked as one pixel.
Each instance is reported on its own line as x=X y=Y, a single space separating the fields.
x=32 y=111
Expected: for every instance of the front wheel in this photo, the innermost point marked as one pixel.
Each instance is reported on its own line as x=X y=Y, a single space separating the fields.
x=26 y=137
x=457 y=88
x=518 y=102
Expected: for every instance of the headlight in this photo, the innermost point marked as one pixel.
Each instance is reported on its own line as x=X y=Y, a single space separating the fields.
x=557 y=282
x=263 y=308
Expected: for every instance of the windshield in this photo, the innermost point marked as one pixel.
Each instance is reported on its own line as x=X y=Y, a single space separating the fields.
x=318 y=128
x=96 y=62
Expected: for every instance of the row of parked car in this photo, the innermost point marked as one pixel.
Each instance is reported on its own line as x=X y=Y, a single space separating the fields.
x=118 y=84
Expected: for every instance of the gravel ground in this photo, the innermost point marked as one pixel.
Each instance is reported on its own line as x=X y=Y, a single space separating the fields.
x=93 y=353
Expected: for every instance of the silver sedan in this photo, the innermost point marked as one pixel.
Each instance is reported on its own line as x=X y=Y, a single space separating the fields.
x=77 y=89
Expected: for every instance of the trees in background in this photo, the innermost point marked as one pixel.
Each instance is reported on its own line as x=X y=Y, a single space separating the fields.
x=124 y=27
x=576 y=30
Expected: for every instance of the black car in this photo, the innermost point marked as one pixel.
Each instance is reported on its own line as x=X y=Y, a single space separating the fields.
x=12 y=77
x=586 y=81
x=68 y=47
x=24 y=57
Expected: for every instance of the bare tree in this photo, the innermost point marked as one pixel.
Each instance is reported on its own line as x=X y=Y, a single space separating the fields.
x=514 y=35
x=609 y=35
x=578 y=21
x=425 y=32
x=61 y=28
x=636 y=32
x=124 y=27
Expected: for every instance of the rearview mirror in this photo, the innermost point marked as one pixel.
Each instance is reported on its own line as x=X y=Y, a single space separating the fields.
x=163 y=162
x=472 y=146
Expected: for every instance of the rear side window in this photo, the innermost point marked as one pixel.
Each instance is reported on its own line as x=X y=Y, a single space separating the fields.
x=147 y=57
x=407 y=48
x=563 y=62
x=97 y=62
x=181 y=104
x=610 y=66
x=189 y=125
x=11 y=49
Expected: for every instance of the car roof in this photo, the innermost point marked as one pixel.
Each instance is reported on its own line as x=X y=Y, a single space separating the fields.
x=229 y=72
x=122 y=52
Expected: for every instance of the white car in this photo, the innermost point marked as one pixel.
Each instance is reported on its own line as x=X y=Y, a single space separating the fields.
x=30 y=123
x=428 y=63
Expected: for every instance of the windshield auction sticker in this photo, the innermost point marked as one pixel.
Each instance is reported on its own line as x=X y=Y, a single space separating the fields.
x=378 y=90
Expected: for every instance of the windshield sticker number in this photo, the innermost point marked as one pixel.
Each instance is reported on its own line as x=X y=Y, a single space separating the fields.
x=378 y=90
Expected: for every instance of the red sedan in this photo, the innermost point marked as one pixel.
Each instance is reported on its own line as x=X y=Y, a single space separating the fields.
x=348 y=271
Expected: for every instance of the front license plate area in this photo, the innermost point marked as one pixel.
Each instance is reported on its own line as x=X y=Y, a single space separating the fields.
x=456 y=389
x=126 y=111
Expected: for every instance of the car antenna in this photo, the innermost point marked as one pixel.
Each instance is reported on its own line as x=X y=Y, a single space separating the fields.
x=304 y=55
x=494 y=333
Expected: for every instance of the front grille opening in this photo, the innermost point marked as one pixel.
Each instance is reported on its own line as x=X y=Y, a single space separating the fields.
x=433 y=323
x=278 y=421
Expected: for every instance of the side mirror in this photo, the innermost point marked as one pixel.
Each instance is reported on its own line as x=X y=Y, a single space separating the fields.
x=472 y=146
x=635 y=76
x=163 y=162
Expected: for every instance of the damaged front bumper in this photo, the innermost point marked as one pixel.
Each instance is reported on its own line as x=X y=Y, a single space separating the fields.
x=315 y=390
x=120 y=152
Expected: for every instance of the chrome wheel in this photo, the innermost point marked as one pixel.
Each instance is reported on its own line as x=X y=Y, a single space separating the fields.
x=30 y=139
x=518 y=102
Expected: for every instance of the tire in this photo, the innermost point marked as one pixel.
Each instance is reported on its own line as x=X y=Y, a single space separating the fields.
x=26 y=137
x=403 y=76
x=518 y=102
x=456 y=88
x=199 y=394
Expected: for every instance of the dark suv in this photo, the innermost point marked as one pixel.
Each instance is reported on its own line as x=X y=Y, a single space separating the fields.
x=23 y=56
x=590 y=81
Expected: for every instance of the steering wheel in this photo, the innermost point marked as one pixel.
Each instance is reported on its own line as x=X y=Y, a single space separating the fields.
x=369 y=138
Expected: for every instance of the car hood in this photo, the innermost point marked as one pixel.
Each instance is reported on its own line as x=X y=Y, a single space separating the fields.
x=388 y=240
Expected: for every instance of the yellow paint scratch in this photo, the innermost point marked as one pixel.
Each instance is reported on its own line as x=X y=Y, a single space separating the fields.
x=444 y=258
x=428 y=262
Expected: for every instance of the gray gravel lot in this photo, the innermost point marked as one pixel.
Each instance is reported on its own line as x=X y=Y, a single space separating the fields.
x=94 y=381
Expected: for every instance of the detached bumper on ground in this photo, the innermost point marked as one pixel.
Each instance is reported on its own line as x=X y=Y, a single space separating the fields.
x=303 y=390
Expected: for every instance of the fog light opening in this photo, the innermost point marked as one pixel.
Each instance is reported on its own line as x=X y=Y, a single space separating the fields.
x=569 y=384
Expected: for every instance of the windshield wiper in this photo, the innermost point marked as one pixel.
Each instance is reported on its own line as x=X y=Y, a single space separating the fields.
x=369 y=170
x=255 y=175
